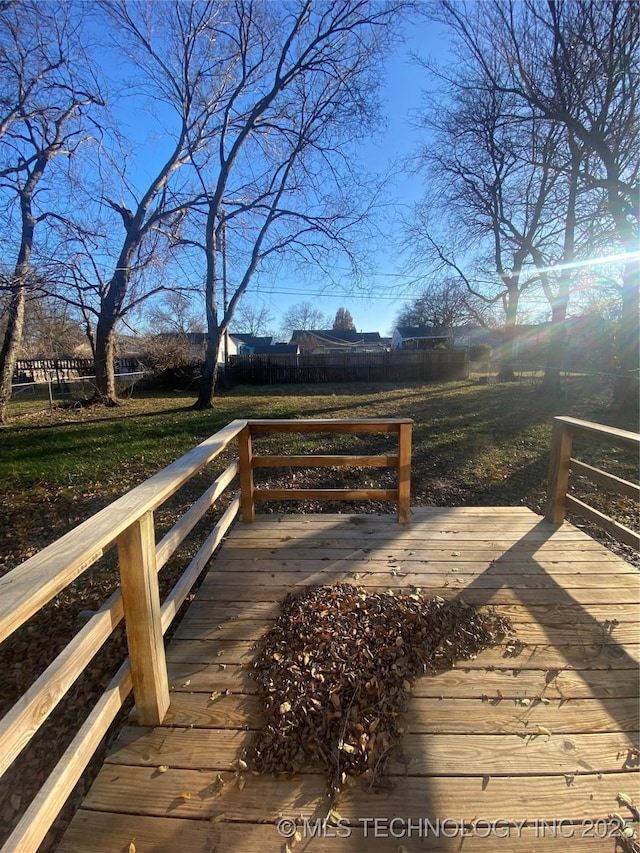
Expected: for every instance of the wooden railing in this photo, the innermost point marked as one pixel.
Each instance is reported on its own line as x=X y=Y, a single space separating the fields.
x=401 y=461
x=128 y=525
x=562 y=463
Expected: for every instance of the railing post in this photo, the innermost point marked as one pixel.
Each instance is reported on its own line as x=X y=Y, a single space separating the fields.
x=245 y=458
x=404 y=474
x=141 y=599
x=559 y=463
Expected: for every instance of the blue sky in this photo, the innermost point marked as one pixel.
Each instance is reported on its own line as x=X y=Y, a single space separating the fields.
x=388 y=288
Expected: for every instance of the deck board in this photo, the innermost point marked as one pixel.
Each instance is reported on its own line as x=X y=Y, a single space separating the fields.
x=157 y=835
x=546 y=731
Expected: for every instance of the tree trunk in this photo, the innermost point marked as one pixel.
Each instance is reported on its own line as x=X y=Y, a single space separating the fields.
x=15 y=319
x=10 y=345
x=551 y=380
x=506 y=373
x=104 y=363
x=105 y=349
x=209 y=371
x=626 y=393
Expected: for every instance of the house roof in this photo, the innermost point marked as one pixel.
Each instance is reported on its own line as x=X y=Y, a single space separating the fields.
x=335 y=337
x=422 y=332
x=277 y=349
x=252 y=340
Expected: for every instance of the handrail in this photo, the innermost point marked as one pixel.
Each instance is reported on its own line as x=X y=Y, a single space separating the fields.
x=128 y=525
x=401 y=461
x=68 y=557
x=561 y=464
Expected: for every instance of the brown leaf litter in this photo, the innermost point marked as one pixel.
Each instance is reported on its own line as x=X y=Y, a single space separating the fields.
x=336 y=672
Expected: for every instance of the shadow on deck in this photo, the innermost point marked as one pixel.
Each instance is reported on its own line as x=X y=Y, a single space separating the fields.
x=525 y=747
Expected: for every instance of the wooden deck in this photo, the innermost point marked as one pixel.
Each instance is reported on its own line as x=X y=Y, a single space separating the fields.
x=546 y=732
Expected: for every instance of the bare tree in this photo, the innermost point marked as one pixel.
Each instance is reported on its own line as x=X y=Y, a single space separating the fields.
x=283 y=182
x=174 y=313
x=46 y=93
x=253 y=318
x=444 y=304
x=303 y=316
x=184 y=59
x=492 y=198
x=575 y=64
x=174 y=332
x=266 y=100
x=51 y=330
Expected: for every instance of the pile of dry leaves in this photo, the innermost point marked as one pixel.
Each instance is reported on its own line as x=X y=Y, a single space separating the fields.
x=337 y=669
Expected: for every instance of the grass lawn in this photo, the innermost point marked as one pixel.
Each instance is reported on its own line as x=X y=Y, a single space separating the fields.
x=474 y=444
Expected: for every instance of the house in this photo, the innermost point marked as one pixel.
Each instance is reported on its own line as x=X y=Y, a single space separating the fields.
x=529 y=340
x=468 y=335
x=245 y=344
x=419 y=337
x=336 y=340
x=236 y=343
x=277 y=349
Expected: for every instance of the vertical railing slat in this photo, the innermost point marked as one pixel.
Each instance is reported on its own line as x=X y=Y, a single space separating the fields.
x=141 y=598
x=245 y=458
x=404 y=473
x=559 y=464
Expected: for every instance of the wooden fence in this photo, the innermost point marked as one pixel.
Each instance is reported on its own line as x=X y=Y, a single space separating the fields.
x=64 y=369
x=424 y=365
x=128 y=525
x=562 y=463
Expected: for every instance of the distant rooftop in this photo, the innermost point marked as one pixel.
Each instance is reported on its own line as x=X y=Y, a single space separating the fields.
x=420 y=332
x=335 y=337
x=252 y=340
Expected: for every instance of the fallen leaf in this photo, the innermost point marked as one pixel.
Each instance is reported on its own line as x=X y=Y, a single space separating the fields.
x=626 y=799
